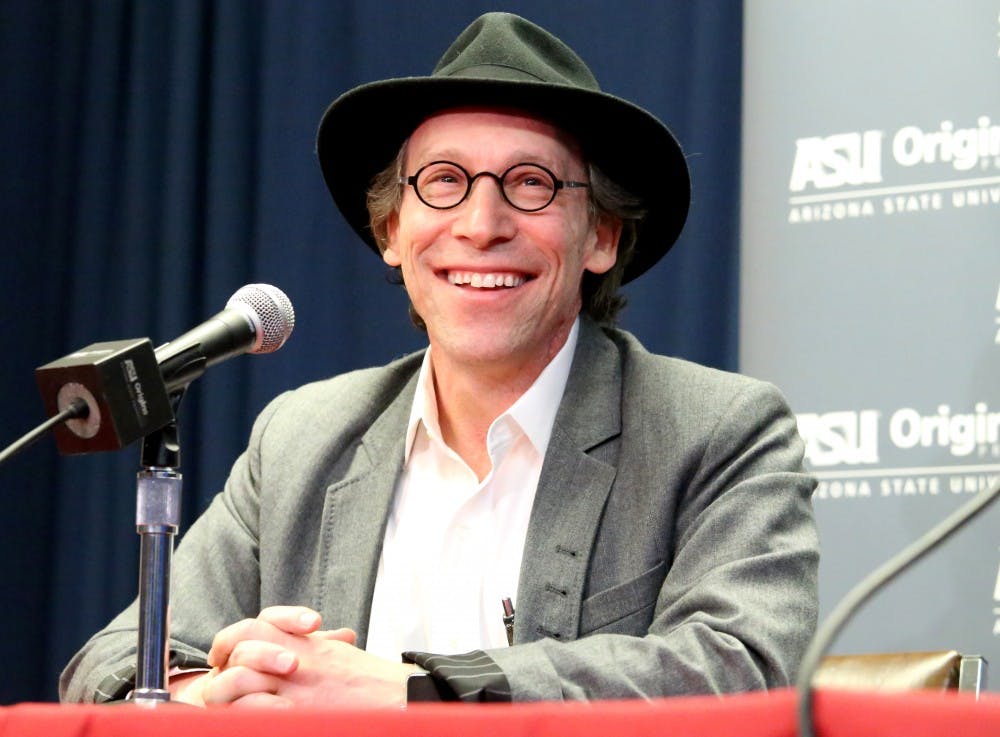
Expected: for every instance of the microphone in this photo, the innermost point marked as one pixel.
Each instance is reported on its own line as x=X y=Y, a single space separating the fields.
x=258 y=319
x=126 y=385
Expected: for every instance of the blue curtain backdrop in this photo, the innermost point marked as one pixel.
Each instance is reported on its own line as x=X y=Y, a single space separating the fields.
x=155 y=156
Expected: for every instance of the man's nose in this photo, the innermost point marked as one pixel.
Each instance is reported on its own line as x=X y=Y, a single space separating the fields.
x=485 y=218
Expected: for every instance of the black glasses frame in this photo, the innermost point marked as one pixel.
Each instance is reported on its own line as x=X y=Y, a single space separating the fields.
x=557 y=184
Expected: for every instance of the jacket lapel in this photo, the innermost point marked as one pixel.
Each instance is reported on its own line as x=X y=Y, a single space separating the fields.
x=574 y=484
x=355 y=516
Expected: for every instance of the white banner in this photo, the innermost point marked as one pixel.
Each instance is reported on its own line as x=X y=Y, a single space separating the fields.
x=871 y=291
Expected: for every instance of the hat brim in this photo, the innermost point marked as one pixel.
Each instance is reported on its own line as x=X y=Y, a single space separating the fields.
x=361 y=132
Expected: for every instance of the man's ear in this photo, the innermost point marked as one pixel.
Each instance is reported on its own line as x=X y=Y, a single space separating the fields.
x=389 y=253
x=604 y=247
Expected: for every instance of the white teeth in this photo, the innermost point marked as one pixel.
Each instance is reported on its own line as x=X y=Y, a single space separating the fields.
x=484 y=281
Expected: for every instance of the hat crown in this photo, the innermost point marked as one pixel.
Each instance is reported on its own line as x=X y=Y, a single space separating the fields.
x=507 y=47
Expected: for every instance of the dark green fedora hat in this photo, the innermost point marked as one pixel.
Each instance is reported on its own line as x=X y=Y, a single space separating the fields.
x=503 y=60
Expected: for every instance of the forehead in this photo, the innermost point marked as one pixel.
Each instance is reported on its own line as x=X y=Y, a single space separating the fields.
x=491 y=133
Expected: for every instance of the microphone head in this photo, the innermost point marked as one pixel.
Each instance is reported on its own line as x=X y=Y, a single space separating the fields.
x=271 y=312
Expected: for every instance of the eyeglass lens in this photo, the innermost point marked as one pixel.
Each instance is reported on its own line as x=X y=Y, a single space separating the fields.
x=444 y=184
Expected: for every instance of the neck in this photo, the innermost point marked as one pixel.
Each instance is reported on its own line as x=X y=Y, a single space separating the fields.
x=471 y=396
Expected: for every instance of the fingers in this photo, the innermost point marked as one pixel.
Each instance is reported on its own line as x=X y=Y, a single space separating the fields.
x=274 y=624
x=236 y=683
x=248 y=629
x=265 y=657
x=343 y=634
x=278 y=659
x=295 y=620
x=263 y=701
x=227 y=638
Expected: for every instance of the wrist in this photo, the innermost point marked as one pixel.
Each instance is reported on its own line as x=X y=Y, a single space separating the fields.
x=187 y=687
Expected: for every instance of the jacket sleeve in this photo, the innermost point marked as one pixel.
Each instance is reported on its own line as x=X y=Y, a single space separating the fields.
x=215 y=577
x=734 y=603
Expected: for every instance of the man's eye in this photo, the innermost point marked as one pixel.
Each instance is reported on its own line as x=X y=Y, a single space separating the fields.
x=443 y=177
x=528 y=181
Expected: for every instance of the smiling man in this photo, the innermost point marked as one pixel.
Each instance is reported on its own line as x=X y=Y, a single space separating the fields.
x=493 y=265
x=534 y=507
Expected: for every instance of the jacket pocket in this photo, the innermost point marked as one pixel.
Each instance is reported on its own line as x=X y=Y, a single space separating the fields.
x=625 y=608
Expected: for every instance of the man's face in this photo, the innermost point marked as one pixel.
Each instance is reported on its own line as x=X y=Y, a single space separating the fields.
x=495 y=286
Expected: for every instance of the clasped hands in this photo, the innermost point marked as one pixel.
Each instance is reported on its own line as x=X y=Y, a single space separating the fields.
x=282 y=658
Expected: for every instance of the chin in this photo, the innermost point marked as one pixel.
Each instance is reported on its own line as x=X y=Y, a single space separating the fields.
x=480 y=343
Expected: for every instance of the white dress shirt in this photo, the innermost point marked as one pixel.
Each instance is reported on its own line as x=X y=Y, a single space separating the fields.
x=453 y=545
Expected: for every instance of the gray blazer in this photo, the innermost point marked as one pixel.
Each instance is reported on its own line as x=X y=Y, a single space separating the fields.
x=671 y=548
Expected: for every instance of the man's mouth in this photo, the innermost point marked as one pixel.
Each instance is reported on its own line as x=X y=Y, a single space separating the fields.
x=479 y=280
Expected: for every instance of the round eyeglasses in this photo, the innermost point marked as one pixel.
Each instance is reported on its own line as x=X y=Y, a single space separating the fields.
x=525 y=187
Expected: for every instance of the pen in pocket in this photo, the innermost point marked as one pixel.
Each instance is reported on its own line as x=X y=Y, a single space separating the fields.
x=508 y=620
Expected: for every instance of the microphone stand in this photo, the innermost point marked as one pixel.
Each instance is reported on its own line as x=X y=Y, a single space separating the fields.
x=157 y=517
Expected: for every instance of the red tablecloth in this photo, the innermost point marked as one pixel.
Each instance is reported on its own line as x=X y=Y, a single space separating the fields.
x=749 y=715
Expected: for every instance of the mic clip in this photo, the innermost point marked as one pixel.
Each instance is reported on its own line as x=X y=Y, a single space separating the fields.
x=124 y=390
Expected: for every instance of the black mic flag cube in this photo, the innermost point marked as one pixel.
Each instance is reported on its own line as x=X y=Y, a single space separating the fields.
x=125 y=394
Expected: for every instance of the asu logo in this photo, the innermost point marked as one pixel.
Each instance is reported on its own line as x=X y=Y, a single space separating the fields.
x=837 y=160
x=835 y=438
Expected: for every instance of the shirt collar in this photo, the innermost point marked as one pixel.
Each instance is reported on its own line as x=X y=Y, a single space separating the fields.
x=534 y=411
